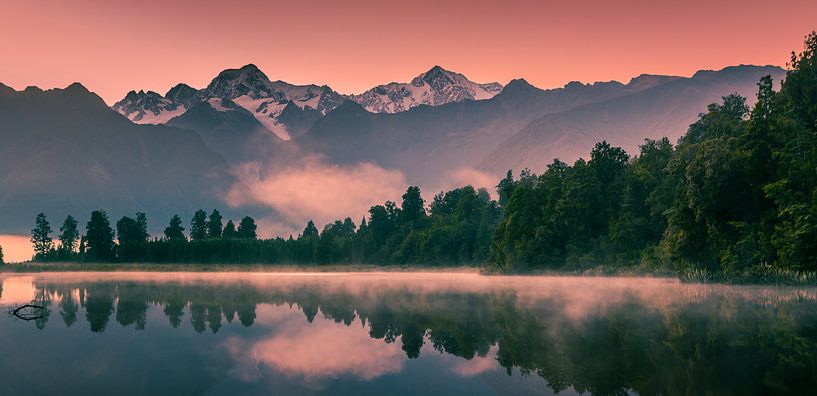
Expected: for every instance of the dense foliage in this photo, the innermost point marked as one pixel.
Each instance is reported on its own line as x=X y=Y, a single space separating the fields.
x=455 y=230
x=737 y=194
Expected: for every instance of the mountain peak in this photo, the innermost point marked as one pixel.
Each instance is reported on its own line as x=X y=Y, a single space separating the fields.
x=250 y=67
x=518 y=84
x=77 y=87
x=436 y=76
x=738 y=70
x=435 y=87
x=232 y=83
x=248 y=71
x=644 y=81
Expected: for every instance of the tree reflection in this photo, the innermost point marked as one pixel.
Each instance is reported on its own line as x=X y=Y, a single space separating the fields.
x=712 y=344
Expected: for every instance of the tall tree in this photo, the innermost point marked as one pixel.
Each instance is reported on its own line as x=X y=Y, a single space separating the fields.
x=505 y=188
x=310 y=230
x=247 y=227
x=214 y=225
x=174 y=231
x=132 y=231
x=69 y=235
x=99 y=237
x=41 y=236
x=229 y=230
x=413 y=207
x=198 y=226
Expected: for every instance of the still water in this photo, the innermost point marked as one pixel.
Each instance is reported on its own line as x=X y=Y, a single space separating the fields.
x=408 y=333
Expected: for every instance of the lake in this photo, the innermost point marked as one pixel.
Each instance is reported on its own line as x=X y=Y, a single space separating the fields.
x=400 y=333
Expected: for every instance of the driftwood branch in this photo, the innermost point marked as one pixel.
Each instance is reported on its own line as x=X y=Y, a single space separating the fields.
x=28 y=312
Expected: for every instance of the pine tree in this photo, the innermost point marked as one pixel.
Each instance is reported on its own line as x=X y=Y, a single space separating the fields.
x=229 y=231
x=198 y=226
x=41 y=237
x=174 y=231
x=413 y=207
x=214 y=225
x=99 y=237
x=247 y=227
x=310 y=230
x=69 y=235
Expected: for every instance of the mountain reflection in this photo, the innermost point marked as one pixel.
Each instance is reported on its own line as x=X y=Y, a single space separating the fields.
x=603 y=336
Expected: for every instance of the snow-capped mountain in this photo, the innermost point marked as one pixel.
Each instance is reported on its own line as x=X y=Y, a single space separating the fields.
x=250 y=88
x=272 y=103
x=148 y=107
x=434 y=87
x=288 y=110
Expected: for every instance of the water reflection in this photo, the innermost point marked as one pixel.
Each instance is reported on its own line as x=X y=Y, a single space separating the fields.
x=420 y=333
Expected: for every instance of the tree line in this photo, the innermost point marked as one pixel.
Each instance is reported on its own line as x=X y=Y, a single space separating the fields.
x=736 y=194
x=456 y=228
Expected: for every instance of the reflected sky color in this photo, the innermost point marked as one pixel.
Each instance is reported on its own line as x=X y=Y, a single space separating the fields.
x=404 y=333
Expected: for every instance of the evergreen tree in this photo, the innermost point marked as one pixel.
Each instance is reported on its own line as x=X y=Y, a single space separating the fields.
x=229 y=231
x=505 y=188
x=310 y=230
x=99 y=237
x=1 y=256
x=41 y=237
x=132 y=231
x=142 y=226
x=69 y=235
x=247 y=227
x=198 y=226
x=174 y=231
x=82 y=248
x=133 y=237
x=413 y=207
x=214 y=225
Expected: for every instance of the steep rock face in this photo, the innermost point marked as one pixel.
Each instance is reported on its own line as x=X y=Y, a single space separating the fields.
x=148 y=107
x=433 y=88
x=184 y=95
x=81 y=156
x=230 y=130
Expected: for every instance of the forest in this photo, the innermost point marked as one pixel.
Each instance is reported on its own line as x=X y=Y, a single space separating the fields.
x=736 y=195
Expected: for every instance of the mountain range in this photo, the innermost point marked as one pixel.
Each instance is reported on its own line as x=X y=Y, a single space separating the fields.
x=288 y=110
x=524 y=126
x=65 y=151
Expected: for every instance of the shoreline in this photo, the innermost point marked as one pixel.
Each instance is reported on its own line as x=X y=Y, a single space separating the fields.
x=32 y=267
x=781 y=278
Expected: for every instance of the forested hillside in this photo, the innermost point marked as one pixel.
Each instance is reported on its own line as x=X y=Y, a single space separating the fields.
x=736 y=195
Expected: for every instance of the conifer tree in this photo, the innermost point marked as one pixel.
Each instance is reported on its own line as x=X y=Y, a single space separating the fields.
x=41 y=237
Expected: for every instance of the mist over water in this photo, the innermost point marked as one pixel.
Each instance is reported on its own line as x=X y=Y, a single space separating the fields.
x=405 y=333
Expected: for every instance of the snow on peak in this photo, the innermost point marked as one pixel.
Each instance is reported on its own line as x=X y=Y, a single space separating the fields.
x=435 y=87
x=246 y=86
x=148 y=107
x=250 y=88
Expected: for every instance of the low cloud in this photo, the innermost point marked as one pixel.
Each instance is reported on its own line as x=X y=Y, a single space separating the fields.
x=311 y=189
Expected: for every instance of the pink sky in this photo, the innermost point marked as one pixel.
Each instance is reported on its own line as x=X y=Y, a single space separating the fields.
x=115 y=46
